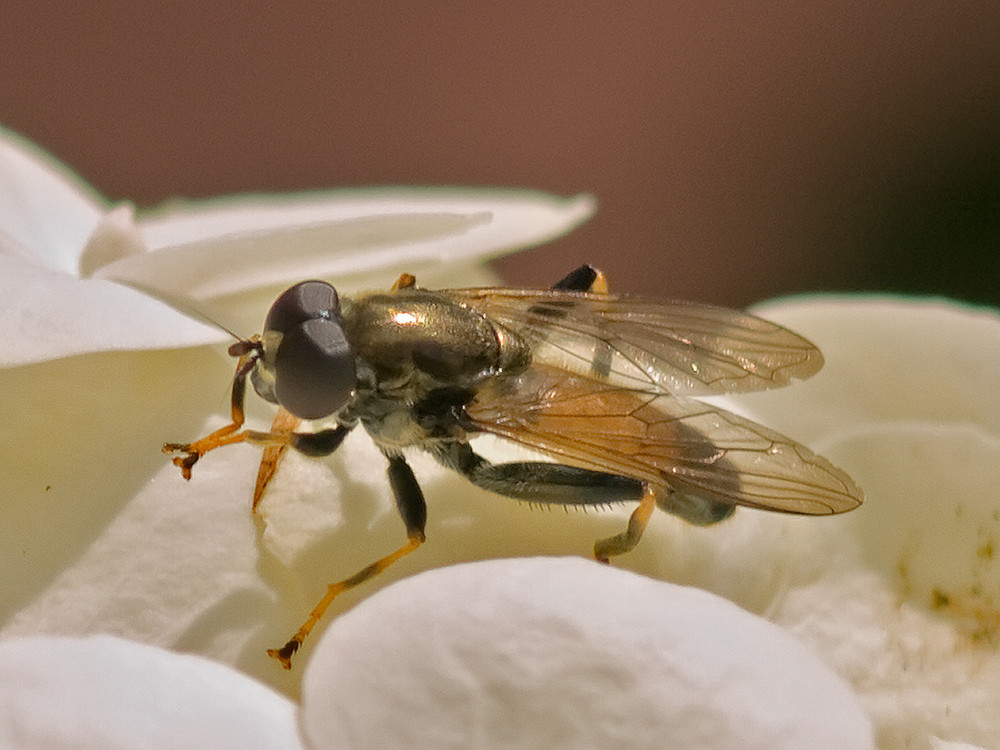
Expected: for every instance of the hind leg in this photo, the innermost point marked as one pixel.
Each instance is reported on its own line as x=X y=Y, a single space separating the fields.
x=558 y=484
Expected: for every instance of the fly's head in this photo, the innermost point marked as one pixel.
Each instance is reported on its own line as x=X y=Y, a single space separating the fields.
x=303 y=361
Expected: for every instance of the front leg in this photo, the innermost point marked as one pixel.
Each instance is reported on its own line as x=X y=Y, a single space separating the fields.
x=281 y=437
x=248 y=352
x=284 y=421
x=314 y=444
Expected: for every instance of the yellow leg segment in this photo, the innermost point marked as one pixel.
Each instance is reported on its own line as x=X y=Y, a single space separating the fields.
x=284 y=423
x=219 y=438
x=285 y=653
x=621 y=543
x=600 y=283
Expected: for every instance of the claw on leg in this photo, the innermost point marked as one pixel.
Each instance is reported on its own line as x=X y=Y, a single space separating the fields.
x=225 y=436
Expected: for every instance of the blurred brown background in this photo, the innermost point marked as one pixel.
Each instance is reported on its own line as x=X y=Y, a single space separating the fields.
x=739 y=150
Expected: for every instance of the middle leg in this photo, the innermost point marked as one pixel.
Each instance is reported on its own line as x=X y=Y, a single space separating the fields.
x=413 y=509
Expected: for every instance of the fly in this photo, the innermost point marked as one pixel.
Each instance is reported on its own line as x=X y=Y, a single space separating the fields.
x=607 y=386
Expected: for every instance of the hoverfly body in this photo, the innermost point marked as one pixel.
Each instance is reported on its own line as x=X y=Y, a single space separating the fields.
x=604 y=385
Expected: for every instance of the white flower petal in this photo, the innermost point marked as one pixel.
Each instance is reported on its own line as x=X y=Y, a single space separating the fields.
x=887 y=359
x=914 y=623
x=46 y=211
x=161 y=565
x=177 y=566
x=563 y=653
x=104 y=693
x=934 y=520
x=116 y=236
x=49 y=314
x=47 y=220
x=224 y=248
x=82 y=438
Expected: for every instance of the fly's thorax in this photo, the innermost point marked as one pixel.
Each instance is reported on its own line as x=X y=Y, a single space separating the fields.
x=419 y=336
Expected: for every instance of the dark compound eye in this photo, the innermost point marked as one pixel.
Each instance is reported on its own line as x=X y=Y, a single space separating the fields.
x=314 y=368
x=304 y=301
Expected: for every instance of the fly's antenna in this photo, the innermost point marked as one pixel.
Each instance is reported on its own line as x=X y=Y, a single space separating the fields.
x=227 y=329
x=240 y=346
x=186 y=308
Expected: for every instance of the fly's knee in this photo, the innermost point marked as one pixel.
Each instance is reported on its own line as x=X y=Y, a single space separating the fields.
x=321 y=443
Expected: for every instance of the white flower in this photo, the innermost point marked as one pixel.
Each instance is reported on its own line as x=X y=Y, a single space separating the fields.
x=103 y=536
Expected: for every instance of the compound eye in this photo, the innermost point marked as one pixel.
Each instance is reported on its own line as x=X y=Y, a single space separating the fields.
x=314 y=369
x=304 y=301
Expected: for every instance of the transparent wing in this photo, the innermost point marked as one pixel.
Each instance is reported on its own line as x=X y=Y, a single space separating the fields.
x=675 y=444
x=676 y=347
